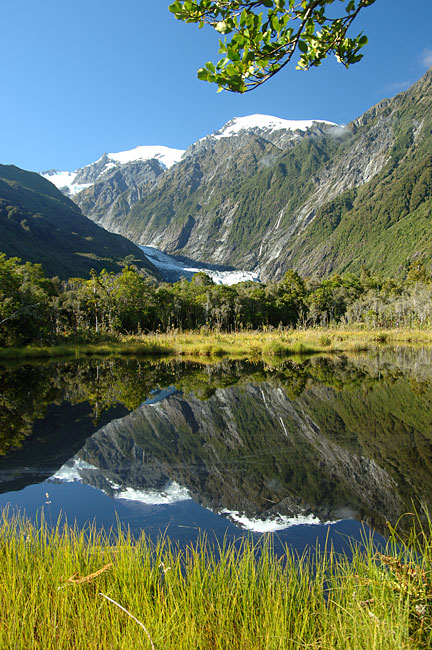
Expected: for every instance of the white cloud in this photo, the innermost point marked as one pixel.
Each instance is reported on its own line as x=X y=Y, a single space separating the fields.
x=426 y=58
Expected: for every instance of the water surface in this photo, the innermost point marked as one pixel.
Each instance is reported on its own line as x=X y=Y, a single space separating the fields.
x=301 y=450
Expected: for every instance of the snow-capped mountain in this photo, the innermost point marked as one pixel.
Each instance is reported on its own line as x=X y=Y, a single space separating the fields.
x=106 y=189
x=265 y=123
x=71 y=183
x=265 y=194
x=208 y=171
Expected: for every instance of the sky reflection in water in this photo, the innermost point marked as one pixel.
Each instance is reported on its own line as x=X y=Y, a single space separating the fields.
x=234 y=449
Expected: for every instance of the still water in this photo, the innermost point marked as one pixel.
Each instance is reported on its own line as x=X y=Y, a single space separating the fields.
x=301 y=450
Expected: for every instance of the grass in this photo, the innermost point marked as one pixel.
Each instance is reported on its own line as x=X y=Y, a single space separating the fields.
x=242 y=345
x=141 y=348
x=65 y=588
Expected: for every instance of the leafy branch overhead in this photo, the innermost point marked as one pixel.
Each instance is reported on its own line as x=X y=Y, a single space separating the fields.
x=262 y=37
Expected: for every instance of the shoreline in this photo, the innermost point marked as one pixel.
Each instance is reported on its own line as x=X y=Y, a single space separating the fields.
x=244 y=344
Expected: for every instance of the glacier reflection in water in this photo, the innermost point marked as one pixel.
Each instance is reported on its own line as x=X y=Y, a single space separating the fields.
x=236 y=448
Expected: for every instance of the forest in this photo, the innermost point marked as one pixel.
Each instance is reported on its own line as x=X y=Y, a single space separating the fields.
x=35 y=309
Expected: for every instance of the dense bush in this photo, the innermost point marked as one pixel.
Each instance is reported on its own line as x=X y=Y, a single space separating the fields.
x=36 y=309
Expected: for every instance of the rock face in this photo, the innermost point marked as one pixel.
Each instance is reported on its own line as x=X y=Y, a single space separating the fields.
x=265 y=194
x=112 y=195
x=106 y=189
x=247 y=450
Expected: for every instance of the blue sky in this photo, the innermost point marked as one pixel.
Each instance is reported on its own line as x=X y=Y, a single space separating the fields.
x=83 y=77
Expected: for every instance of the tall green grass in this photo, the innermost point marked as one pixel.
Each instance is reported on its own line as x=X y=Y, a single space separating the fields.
x=232 y=598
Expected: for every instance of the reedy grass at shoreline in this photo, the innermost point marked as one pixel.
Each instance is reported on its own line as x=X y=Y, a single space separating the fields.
x=244 y=344
x=237 y=597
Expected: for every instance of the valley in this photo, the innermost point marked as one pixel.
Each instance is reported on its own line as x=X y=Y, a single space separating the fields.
x=216 y=325
x=264 y=194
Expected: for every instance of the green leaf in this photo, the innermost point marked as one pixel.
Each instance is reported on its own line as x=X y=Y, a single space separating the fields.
x=275 y=22
x=175 y=7
x=203 y=74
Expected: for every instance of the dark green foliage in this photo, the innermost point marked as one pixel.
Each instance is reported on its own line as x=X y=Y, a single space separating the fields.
x=382 y=229
x=39 y=224
x=25 y=302
x=34 y=309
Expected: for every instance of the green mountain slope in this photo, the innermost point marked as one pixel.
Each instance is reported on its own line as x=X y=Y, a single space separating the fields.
x=222 y=199
x=386 y=223
x=328 y=200
x=39 y=224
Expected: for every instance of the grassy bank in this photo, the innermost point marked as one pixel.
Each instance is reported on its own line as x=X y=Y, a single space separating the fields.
x=55 y=588
x=139 y=348
x=237 y=345
x=281 y=343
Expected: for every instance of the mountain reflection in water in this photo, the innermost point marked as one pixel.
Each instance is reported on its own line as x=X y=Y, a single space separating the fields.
x=233 y=446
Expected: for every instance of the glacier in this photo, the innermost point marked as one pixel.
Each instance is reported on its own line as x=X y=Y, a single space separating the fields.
x=173 y=269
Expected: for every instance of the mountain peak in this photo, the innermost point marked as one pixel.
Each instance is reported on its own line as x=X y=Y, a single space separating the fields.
x=166 y=155
x=73 y=182
x=265 y=123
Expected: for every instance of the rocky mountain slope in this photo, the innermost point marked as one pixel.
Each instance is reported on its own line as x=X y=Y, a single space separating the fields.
x=106 y=189
x=39 y=224
x=267 y=194
x=245 y=451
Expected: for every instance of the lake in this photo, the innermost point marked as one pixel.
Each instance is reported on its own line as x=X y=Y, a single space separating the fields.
x=309 y=448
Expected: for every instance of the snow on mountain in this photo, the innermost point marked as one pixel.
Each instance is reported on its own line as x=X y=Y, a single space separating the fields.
x=167 y=156
x=172 y=493
x=75 y=469
x=64 y=180
x=70 y=471
x=271 y=525
x=265 y=123
x=71 y=182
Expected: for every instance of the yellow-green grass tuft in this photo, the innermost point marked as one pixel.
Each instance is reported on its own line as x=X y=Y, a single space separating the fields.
x=63 y=588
